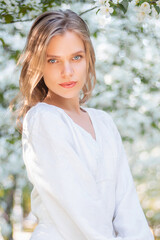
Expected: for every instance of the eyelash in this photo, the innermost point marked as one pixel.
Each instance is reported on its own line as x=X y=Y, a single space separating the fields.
x=55 y=59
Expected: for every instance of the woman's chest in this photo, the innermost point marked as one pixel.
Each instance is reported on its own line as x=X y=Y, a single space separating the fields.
x=101 y=164
x=84 y=123
x=98 y=156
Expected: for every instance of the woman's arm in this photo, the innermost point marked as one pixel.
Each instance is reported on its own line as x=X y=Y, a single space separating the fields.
x=129 y=220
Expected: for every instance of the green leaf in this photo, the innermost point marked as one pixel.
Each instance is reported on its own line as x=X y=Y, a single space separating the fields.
x=8 y=18
x=154 y=89
x=114 y=13
x=14 y=54
x=125 y=4
x=121 y=7
x=25 y=8
x=1 y=97
x=3 y=42
x=11 y=141
x=98 y=10
x=144 y=80
x=154 y=125
x=157 y=9
x=142 y=1
x=95 y=34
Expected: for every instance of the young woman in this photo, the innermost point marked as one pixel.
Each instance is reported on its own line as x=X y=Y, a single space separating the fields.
x=82 y=184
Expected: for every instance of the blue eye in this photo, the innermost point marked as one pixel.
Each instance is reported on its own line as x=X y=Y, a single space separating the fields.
x=51 y=60
x=78 y=56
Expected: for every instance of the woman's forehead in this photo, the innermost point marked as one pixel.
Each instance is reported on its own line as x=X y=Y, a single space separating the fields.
x=67 y=44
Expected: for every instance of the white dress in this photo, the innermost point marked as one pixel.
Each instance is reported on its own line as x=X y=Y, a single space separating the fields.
x=82 y=188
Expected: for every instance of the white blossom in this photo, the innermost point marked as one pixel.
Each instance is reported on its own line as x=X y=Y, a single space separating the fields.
x=106 y=10
x=117 y=1
x=143 y=11
x=102 y=2
x=158 y=3
x=141 y=16
x=145 y=7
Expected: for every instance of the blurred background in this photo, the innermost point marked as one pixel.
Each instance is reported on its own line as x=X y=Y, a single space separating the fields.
x=128 y=88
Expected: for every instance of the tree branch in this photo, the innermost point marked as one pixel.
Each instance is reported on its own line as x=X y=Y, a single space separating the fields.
x=87 y=10
x=18 y=20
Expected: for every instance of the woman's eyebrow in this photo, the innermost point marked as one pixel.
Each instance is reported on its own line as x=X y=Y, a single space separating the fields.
x=50 y=55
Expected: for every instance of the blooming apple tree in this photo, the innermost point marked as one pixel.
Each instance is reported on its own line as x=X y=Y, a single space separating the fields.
x=126 y=37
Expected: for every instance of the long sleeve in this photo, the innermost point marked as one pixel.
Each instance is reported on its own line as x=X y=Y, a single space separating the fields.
x=129 y=220
x=66 y=186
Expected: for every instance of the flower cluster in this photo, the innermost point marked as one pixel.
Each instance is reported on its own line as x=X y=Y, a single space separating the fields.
x=144 y=9
x=13 y=10
x=105 y=8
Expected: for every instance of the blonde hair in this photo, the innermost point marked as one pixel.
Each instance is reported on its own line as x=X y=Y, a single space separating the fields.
x=31 y=83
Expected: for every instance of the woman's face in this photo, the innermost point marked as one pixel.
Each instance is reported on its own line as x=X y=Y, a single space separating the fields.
x=65 y=62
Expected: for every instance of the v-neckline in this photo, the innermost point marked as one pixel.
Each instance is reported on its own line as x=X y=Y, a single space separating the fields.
x=76 y=124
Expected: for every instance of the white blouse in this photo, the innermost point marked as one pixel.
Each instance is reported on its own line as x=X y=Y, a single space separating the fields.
x=82 y=188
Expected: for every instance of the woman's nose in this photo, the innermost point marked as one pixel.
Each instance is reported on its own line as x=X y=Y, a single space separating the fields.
x=67 y=69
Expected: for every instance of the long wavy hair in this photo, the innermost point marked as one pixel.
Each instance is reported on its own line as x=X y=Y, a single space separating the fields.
x=31 y=83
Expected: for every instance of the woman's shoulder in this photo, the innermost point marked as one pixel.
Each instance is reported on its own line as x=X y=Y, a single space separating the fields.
x=40 y=108
x=41 y=113
x=104 y=117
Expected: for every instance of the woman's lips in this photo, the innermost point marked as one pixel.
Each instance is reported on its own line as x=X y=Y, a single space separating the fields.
x=68 y=84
